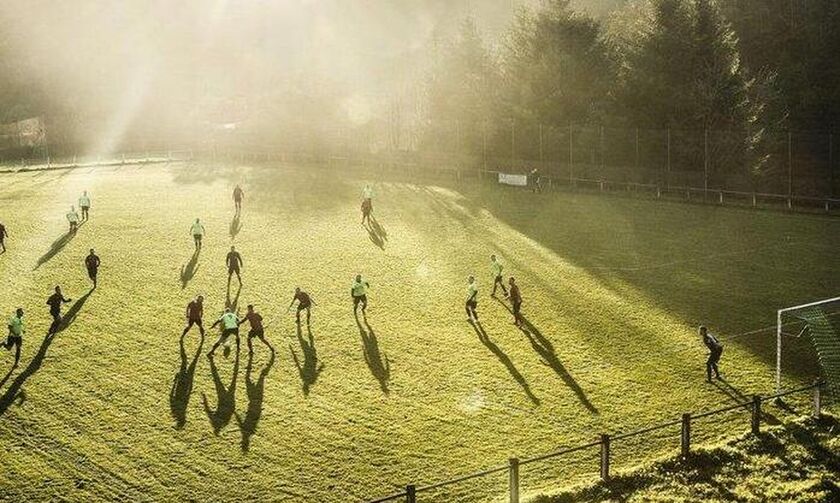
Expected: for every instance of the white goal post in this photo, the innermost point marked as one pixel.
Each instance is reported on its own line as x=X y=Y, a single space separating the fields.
x=779 y=314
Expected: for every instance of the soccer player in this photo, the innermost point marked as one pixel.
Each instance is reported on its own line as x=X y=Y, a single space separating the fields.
x=255 y=320
x=715 y=351
x=92 y=264
x=54 y=301
x=304 y=302
x=359 y=293
x=194 y=314
x=516 y=301
x=3 y=236
x=472 y=299
x=15 y=338
x=230 y=326
x=497 y=268
x=234 y=262
x=197 y=231
x=366 y=209
x=84 y=204
x=73 y=218
x=238 y=194
x=367 y=194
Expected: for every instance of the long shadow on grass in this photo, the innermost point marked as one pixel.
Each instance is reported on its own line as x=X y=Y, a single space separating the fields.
x=14 y=389
x=376 y=361
x=737 y=396
x=256 y=392
x=232 y=303
x=182 y=385
x=545 y=349
x=55 y=247
x=235 y=226
x=378 y=229
x=189 y=269
x=225 y=396
x=620 y=242
x=374 y=237
x=310 y=368
x=506 y=361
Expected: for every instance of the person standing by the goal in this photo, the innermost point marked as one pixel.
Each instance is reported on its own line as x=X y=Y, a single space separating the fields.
x=498 y=281
x=715 y=351
x=84 y=205
x=472 y=300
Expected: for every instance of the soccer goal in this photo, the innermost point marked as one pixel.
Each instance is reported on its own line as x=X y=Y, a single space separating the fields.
x=819 y=322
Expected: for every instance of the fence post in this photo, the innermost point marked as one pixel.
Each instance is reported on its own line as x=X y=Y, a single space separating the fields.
x=410 y=494
x=756 y=415
x=571 y=157
x=790 y=170
x=685 y=437
x=483 y=147
x=720 y=198
x=705 y=163
x=818 y=399
x=514 y=480
x=605 y=457
x=637 y=152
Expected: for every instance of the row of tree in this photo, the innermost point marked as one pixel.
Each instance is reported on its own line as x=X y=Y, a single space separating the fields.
x=744 y=66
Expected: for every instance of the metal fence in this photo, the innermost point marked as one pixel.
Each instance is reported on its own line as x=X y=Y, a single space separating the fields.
x=606 y=442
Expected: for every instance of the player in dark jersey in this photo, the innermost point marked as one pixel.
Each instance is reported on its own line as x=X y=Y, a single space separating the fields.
x=304 y=302
x=3 y=236
x=92 y=265
x=255 y=320
x=715 y=352
x=234 y=263
x=238 y=194
x=54 y=301
x=194 y=315
x=516 y=302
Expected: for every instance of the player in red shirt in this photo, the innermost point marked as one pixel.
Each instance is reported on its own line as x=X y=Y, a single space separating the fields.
x=255 y=320
x=195 y=312
x=516 y=301
x=304 y=302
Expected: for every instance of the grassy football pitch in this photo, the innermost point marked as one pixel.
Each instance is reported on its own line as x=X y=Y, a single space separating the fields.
x=115 y=407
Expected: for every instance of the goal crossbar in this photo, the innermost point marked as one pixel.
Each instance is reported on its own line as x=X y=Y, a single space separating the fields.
x=779 y=334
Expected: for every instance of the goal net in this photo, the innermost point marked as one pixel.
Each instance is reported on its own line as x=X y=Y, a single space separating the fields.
x=817 y=322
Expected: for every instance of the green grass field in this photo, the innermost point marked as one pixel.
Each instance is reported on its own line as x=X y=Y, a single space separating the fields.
x=113 y=407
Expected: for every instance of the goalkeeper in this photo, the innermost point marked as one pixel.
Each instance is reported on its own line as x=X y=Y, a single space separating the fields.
x=715 y=352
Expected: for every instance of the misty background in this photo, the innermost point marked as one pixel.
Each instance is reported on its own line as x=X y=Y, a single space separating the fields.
x=736 y=89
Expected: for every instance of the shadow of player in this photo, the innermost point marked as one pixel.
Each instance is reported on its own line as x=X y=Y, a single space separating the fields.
x=376 y=361
x=255 y=392
x=55 y=248
x=378 y=228
x=14 y=390
x=235 y=226
x=226 y=396
x=189 y=269
x=310 y=367
x=545 y=349
x=374 y=237
x=182 y=385
x=505 y=359
x=232 y=303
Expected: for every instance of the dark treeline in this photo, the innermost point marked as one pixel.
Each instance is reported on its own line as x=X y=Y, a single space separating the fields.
x=721 y=82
